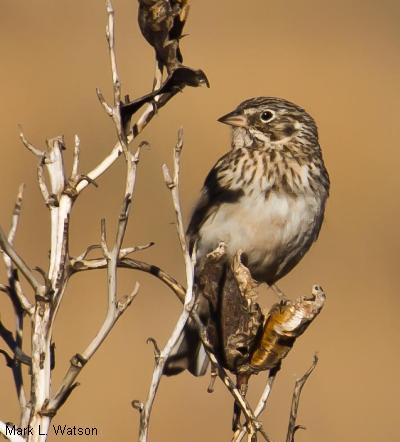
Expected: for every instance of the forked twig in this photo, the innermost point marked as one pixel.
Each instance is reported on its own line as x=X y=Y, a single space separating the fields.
x=21 y=306
x=147 y=115
x=9 y=250
x=240 y=433
x=162 y=356
x=116 y=307
x=293 y=427
x=81 y=265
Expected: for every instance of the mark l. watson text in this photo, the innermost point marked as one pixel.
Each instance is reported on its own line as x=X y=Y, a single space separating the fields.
x=59 y=430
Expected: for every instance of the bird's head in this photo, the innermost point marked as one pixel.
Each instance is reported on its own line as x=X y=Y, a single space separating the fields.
x=272 y=122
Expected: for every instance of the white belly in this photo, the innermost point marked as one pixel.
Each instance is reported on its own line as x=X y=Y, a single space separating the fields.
x=270 y=231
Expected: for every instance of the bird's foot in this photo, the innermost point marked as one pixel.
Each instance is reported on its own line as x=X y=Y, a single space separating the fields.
x=278 y=292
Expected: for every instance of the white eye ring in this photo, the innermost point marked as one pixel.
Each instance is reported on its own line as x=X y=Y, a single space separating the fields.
x=266 y=116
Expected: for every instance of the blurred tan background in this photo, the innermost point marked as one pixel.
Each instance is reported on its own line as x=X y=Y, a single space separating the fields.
x=339 y=60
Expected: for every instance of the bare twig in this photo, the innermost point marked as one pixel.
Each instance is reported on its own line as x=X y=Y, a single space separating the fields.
x=80 y=265
x=265 y=395
x=39 y=153
x=115 y=310
x=75 y=161
x=293 y=427
x=128 y=250
x=159 y=366
x=260 y=406
x=40 y=178
x=9 y=250
x=115 y=307
x=14 y=363
x=173 y=185
x=79 y=360
x=16 y=214
x=104 y=103
x=21 y=305
x=145 y=118
x=85 y=253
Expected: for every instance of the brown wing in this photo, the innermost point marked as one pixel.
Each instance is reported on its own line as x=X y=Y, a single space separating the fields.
x=215 y=192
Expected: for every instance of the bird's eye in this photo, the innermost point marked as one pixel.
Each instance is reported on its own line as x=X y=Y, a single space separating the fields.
x=266 y=116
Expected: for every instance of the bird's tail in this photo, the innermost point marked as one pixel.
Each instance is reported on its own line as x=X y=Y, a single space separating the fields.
x=188 y=354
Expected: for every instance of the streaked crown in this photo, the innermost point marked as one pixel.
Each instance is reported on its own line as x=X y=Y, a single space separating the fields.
x=271 y=121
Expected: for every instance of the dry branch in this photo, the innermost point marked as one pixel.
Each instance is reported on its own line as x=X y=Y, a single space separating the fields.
x=115 y=307
x=292 y=428
x=81 y=265
x=21 y=306
x=7 y=248
x=59 y=195
x=188 y=302
x=241 y=432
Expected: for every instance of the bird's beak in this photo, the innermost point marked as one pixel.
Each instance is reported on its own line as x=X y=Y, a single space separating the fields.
x=235 y=119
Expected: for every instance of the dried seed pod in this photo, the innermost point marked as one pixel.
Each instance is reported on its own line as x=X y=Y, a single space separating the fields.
x=229 y=309
x=161 y=23
x=286 y=321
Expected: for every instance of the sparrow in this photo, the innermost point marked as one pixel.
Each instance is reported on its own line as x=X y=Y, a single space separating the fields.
x=266 y=197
